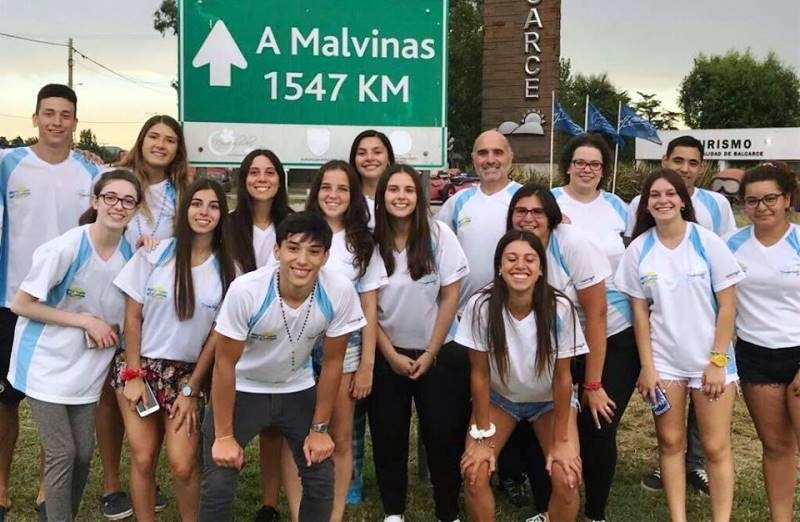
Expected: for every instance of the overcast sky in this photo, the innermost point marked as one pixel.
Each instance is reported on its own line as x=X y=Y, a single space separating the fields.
x=643 y=46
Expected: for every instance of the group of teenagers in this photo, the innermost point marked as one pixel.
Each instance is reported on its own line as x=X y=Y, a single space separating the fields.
x=518 y=320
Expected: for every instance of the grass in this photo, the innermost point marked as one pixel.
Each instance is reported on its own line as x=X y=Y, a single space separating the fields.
x=629 y=502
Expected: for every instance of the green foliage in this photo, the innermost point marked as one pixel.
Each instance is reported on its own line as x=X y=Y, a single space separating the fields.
x=464 y=73
x=166 y=18
x=650 y=107
x=736 y=90
x=17 y=142
x=33 y=140
x=88 y=142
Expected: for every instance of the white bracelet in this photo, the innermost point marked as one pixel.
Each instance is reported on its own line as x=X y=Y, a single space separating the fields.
x=479 y=434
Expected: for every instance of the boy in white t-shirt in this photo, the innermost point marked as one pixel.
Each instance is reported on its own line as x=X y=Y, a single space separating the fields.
x=268 y=324
x=44 y=189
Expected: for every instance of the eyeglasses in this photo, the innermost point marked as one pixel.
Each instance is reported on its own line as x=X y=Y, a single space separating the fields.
x=521 y=212
x=770 y=200
x=128 y=203
x=582 y=164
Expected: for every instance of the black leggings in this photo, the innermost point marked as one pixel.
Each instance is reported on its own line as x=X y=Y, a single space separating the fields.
x=598 y=447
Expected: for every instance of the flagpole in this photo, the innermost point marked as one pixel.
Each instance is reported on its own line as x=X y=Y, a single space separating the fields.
x=616 y=149
x=586 y=116
x=552 y=132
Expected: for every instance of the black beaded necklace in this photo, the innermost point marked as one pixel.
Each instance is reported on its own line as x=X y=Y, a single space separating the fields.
x=283 y=316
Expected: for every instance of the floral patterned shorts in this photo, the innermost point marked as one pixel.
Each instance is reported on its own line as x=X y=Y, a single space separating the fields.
x=165 y=377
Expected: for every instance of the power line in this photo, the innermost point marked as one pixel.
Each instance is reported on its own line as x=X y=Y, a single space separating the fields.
x=25 y=38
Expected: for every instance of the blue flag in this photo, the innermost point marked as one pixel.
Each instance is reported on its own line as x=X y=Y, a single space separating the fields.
x=631 y=124
x=598 y=122
x=562 y=121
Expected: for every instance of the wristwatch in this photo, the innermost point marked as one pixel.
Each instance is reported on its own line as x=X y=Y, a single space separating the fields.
x=720 y=360
x=187 y=390
x=320 y=427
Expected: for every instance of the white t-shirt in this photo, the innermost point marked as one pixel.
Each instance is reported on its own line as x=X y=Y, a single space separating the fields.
x=340 y=260
x=252 y=312
x=38 y=202
x=574 y=263
x=522 y=382
x=603 y=220
x=680 y=285
x=406 y=308
x=161 y=198
x=371 y=207
x=479 y=221
x=50 y=362
x=263 y=245
x=768 y=300
x=711 y=209
x=149 y=279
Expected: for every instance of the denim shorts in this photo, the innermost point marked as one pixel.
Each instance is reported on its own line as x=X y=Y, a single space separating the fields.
x=529 y=411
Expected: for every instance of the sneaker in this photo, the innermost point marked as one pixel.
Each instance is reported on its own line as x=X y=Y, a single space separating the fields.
x=652 y=481
x=117 y=505
x=394 y=518
x=540 y=517
x=161 y=501
x=41 y=511
x=517 y=492
x=698 y=479
x=267 y=514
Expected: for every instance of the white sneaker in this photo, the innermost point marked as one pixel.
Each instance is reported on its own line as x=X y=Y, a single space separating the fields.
x=394 y=518
x=541 y=517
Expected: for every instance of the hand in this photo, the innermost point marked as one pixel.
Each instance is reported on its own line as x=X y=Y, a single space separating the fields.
x=421 y=365
x=317 y=447
x=361 y=385
x=227 y=453
x=400 y=364
x=134 y=392
x=795 y=384
x=600 y=405
x=568 y=457
x=713 y=381
x=100 y=332
x=91 y=156
x=184 y=409
x=565 y=219
x=474 y=456
x=648 y=380
x=149 y=243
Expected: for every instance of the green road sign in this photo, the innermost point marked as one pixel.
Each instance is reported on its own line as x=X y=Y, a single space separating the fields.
x=304 y=77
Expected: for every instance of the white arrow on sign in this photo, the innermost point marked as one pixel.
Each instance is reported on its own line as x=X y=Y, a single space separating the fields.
x=219 y=51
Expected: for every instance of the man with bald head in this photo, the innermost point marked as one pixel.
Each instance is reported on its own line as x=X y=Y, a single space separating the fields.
x=478 y=214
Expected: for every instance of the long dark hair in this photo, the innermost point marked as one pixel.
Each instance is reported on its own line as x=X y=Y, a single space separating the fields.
x=419 y=247
x=178 y=169
x=493 y=301
x=184 y=237
x=90 y=216
x=241 y=219
x=645 y=220
x=358 y=238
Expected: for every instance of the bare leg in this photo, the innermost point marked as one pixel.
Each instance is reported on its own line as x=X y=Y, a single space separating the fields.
x=9 y=430
x=270 y=443
x=110 y=432
x=671 y=432
x=182 y=457
x=564 y=500
x=144 y=437
x=342 y=434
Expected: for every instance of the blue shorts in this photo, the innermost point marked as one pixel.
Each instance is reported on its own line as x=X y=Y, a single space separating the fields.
x=529 y=411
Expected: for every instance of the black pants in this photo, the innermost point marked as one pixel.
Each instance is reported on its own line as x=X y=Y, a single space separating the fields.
x=292 y=414
x=598 y=447
x=441 y=398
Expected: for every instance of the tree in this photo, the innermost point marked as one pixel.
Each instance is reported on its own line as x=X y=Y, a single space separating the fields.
x=4 y=142
x=17 y=142
x=166 y=18
x=33 y=140
x=88 y=142
x=736 y=90
x=465 y=72
x=650 y=107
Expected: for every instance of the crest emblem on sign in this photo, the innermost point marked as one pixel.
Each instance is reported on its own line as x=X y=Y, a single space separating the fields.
x=318 y=141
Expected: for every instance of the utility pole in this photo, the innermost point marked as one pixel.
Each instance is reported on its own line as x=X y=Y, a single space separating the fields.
x=70 y=61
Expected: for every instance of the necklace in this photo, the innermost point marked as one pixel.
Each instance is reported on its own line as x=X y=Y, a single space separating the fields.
x=292 y=342
x=160 y=213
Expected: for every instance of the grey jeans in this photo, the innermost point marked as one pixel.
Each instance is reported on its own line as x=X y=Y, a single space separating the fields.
x=291 y=413
x=67 y=435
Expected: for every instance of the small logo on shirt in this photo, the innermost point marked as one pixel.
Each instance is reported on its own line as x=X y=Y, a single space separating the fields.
x=209 y=305
x=742 y=266
x=649 y=279
x=156 y=293
x=791 y=270
x=701 y=275
x=21 y=192
x=76 y=292
x=264 y=337
x=465 y=220
x=429 y=279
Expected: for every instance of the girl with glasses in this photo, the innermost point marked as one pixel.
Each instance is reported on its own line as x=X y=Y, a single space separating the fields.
x=70 y=321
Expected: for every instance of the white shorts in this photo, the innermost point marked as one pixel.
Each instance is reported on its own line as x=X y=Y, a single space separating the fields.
x=695 y=383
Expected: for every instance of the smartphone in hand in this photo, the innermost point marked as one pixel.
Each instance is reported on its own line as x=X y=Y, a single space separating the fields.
x=149 y=404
